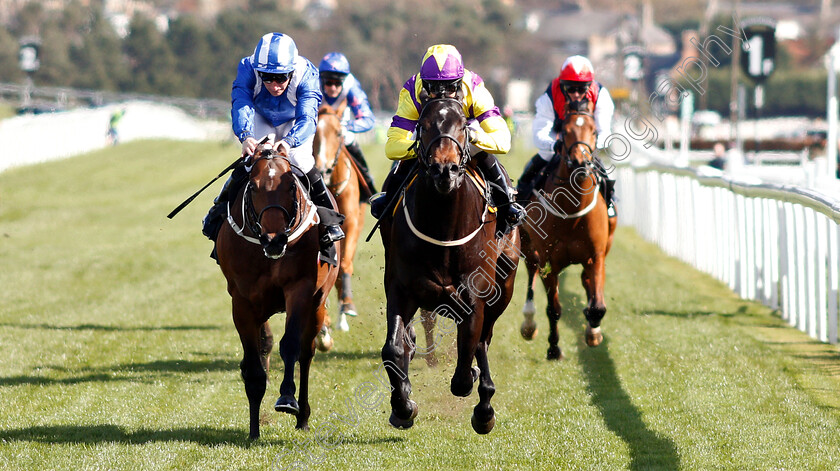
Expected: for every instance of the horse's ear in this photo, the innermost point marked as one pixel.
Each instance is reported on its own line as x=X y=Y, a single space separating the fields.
x=339 y=111
x=459 y=95
x=423 y=97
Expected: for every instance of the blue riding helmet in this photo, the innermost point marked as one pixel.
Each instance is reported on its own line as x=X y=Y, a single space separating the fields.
x=276 y=53
x=334 y=63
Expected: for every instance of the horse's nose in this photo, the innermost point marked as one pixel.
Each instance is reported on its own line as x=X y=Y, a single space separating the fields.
x=274 y=247
x=447 y=170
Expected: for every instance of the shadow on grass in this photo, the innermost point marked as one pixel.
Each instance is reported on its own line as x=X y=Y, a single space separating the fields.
x=334 y=355
x=648 y=450
x=109 y=328
x=106 y=433
x=133 y=372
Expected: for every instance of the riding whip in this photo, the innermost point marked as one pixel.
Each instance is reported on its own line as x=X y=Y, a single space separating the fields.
x=189 y=200
x=394 y=198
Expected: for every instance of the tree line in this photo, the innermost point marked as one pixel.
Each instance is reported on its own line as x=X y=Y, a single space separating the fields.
x=384 y=40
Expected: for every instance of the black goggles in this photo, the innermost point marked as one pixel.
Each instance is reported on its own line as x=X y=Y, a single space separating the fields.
x=440 y=87
x=576 y=89
x=277 y=78
x=332 y=82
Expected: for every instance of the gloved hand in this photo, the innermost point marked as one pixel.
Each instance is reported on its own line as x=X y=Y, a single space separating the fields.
x=249 y=145
x=475 y=132
x=282 y=147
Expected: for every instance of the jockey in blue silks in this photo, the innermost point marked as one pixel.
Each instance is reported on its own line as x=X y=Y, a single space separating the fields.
x=276 y=91
x=338 y=85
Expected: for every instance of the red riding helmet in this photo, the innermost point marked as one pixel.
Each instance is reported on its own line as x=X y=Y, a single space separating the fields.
x=576 y=69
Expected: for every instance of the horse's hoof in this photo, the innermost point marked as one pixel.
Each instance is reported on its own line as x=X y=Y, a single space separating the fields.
x=254 y=436
x=287 y=404
x=483 y=428
x=528 y=330
x=324 y=341
x=554 y=353
x=342 y=323
x=400 y=423
x=348 y=309
x=594 y=337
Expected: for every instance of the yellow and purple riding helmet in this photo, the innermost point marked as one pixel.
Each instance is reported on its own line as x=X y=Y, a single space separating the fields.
x=442 y=70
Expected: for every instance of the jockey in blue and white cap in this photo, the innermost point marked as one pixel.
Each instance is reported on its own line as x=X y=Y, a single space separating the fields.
x=338 y=85
x=276 y=91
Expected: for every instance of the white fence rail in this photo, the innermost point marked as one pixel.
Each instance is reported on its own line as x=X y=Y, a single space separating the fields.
x=776 y=244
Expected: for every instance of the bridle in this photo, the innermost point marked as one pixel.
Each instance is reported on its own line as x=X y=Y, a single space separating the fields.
x=423 y=154
x=567 y=150
x=253 y=221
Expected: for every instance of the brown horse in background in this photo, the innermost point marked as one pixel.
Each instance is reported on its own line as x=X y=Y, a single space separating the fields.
x=343 y=180
x=268 y=252
x=442 y=255
x=568 y=224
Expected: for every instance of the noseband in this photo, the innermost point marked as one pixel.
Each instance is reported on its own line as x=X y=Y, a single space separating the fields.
x=423 y=154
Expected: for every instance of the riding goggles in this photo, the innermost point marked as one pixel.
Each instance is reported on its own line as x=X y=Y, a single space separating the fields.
x=277 y=78
x=442 y=87
x=332 y=82
x=576 y=89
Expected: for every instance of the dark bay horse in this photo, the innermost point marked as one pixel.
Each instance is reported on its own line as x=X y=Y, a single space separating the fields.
x=568 y=224
x=268 y=252
x=336 y=164
x=442 y=255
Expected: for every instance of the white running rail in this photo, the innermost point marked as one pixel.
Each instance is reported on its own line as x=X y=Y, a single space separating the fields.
x=777 y=244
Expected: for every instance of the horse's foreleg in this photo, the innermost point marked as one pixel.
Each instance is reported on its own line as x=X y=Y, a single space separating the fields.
x=352 y=229
x=251 y=367
x=593 y=279
x=484 y=417
x=394 y=359
x=290 y=349
x=553 y=311
x=528 y=329
x=307 y=351
x=469 y=332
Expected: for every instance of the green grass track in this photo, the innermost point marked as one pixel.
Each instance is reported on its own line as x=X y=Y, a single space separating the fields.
x=119 y=353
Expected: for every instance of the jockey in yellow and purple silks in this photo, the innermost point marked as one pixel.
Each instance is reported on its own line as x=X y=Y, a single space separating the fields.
x=442 y=74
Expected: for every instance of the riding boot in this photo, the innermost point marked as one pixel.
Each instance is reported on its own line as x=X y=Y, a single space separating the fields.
x=356 y=152
x=390 y=186
x=527 y=181
x=320 y=196
x=608 y=188
x=218 y=212
x=510 y=211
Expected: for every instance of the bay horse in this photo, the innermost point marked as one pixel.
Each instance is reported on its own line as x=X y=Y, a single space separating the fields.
x=269 y=254
x=343 y=180
x=442 y=255
x=568 y=224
